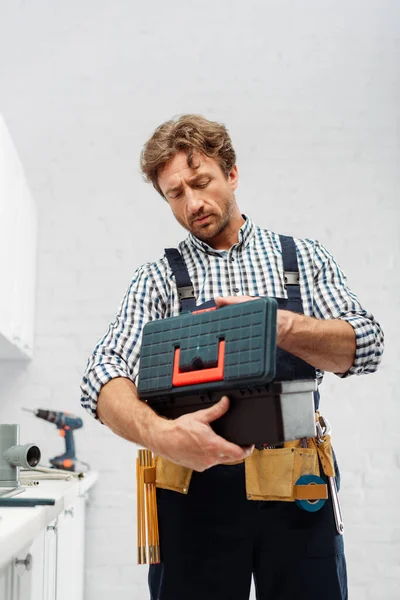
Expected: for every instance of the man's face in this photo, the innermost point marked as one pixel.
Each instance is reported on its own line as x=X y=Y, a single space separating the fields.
x=202 y=199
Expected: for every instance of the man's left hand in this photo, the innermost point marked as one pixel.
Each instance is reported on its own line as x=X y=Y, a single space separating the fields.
x=283 y=322
x=328 y=345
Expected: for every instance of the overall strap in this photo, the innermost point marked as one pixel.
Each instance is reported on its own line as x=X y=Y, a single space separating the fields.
x=291 y=268
x=292 y=285
x=182 y=278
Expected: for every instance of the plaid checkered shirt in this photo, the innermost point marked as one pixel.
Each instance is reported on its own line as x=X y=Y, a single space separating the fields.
x=252 y=267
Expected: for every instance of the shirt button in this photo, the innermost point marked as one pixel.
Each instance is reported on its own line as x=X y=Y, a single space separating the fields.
x=236 y=290
x=232 y=259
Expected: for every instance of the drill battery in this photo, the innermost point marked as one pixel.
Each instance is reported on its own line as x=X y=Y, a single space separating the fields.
x=190 y=361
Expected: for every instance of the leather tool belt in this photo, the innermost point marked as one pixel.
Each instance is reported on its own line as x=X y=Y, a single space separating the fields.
x=190 y=361
x=271 y=474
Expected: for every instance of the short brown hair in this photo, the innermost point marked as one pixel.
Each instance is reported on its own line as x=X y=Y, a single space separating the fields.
x=189 y=133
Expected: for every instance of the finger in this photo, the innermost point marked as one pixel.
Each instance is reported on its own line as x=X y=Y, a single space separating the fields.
x=239 y=451
x=230 y=452
x=226 y=300
x=218 y=409
x=220 y=301
x=247 y=450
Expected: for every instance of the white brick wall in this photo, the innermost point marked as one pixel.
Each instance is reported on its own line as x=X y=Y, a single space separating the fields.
x=309 y=91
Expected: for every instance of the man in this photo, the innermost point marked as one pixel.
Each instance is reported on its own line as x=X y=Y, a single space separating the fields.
x=213 y=536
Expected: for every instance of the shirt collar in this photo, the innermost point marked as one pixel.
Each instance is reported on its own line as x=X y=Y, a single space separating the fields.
x=246 y=232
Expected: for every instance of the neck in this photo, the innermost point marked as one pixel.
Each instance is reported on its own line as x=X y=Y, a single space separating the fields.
x=230 y=234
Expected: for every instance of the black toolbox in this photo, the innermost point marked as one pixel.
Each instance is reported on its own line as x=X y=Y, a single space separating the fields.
x=190 y=361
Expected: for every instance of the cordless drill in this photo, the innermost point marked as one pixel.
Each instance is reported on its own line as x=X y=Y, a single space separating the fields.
x=65 y=423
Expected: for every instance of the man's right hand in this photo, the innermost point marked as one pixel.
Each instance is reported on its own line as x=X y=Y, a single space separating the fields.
x=190 y=441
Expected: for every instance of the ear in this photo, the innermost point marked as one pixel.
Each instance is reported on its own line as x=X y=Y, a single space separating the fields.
x=233 y=177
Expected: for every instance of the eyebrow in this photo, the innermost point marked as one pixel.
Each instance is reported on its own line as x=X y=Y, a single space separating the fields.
x=192 y=180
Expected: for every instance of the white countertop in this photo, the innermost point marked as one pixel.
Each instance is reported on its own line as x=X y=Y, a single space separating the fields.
x=20 y=525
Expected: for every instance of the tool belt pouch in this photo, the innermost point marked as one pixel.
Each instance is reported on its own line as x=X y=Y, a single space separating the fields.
x=171 y=476
x=271 y=474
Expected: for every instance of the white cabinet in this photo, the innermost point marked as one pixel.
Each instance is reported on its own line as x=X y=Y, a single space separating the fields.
x=71 y=551
x=18 y=231
x=6 y=574
x=51 y=567
x=48 y=588
x=27 y=571
x=22 y=578
x=32 y=573
x=48 y=561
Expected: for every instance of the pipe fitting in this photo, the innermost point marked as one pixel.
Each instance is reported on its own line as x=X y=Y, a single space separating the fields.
x=13 y=455
x=26 y=456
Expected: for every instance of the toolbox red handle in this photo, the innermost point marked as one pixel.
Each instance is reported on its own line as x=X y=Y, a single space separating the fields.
x=180 y=378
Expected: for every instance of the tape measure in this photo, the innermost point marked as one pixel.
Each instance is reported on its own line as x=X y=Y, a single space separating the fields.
x=310 y=505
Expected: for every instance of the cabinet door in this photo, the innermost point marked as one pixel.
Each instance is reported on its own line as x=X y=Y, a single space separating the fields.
x=10 y=189
x=28 y=571
x=71 y=551
x=50 y=562
x=37 y=550
x=25 y=264
x=6 y=582
x=18 y=224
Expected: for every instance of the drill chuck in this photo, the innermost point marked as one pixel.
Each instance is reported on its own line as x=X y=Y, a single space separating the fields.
x=47 y=415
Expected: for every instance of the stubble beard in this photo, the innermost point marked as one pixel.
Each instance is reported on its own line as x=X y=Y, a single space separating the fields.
x=207 y=231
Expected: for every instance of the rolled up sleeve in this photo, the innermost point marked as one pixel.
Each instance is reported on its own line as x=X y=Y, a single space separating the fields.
x=117 y=354
x=333 y=299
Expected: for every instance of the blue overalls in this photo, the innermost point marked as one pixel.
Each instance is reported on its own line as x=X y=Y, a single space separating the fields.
x=213 y=539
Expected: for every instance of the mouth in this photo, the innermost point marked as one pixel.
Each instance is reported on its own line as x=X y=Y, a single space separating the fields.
x=201 y=219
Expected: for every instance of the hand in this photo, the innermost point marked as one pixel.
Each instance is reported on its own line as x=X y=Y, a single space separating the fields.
x=191 y=442
x=284 y=318
x=226 y=300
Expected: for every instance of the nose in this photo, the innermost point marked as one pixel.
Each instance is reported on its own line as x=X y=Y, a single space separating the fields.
x=194 y=202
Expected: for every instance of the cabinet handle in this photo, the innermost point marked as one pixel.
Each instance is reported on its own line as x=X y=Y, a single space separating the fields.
x=69 y=511
x=27 y=562
x=52 y=528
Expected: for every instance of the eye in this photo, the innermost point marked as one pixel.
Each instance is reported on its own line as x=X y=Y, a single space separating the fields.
x=175 y=195
x=202 y=185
